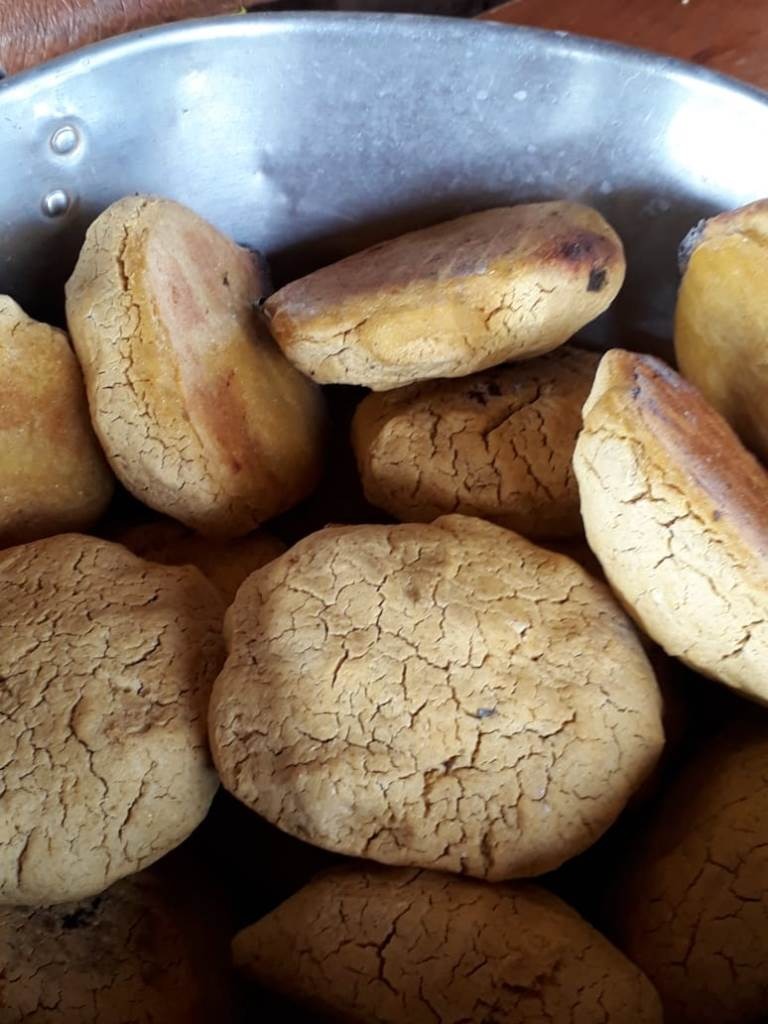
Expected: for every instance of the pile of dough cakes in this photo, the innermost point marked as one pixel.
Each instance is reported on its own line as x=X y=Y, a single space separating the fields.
x=370 y=650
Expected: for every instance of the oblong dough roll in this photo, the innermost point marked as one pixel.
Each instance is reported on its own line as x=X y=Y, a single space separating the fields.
x=498 y=445
x=53 y=475
x=369 y=945
x=200 y=415
x=675 y=509
x=448 y=300
x=445 y=695
x=693 y=907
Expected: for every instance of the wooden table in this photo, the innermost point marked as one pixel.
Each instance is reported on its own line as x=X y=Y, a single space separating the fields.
x=730 y=37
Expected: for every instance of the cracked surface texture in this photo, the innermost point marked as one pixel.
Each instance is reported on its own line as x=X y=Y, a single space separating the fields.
x=226 y=563
x=675 y=509
x=53 y=475
x=125 y=957
x=497 y=445
x=106 y=663
x=445 y=301
x=200 y=415
x=444 y=695
x=384 y=946
x=721 y=320
x=694 y=912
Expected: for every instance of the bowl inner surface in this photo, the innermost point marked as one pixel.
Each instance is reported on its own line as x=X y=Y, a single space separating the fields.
x=310 y=136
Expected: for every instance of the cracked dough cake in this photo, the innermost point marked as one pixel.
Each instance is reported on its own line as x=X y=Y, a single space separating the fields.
x=390 y=945
x=106 y=664
x=694 y=906
x=447 y=300
x=226 y=563
x=200 y=415
x=444 y=695
x=133 y=954
x=677 y=512
x=497 y=445
x=53 y=475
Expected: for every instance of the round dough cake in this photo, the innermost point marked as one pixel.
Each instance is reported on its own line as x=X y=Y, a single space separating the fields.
x=444 y=695
x=135 y=953
x=226 y=563
x=694 y=907
x=200 y=415
x=675 y=509
x=445 y=301
x=497 y=445
x=53 y=475
x=395 y=945
x=106 y=664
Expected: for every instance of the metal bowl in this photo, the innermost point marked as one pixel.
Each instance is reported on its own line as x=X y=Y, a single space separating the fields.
x=311 y=135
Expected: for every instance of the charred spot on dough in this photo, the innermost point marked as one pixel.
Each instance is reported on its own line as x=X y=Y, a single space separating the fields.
x=598 y=277
x=577 y=248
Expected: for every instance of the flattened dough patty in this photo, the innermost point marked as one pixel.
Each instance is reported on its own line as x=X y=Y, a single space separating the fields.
x=694 y=913
x=384 y=946
x=444 y=695
x=106 y=664
x=675 y=509
x=498 y=445
x=445 y=301
x=200 y=415
x=53 y=475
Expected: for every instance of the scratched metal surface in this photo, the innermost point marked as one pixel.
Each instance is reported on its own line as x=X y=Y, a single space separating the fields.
x=309 y=135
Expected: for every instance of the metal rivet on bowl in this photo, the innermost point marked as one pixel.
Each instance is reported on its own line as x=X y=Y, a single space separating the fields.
x=55 y=203
x=65 y=140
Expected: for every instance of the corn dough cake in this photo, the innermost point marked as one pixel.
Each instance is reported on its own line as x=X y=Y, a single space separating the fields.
x=444 y=695
x=451 y=299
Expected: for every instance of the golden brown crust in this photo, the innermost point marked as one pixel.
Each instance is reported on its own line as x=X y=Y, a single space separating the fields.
x=448 y=300
x=497 y=445
x=674 y=508
x=200 y=415
x=389 y=946
x=694 y=904
x=130 y=954
x=53 y=475
x=226 y=563
x=444 y=695
x=106 y=663
x=721 y=321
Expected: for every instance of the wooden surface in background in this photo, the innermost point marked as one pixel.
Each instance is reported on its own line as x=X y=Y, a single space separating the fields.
x=729 y=37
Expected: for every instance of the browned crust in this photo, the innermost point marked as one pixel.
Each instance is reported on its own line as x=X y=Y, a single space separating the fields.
x=689 y=440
